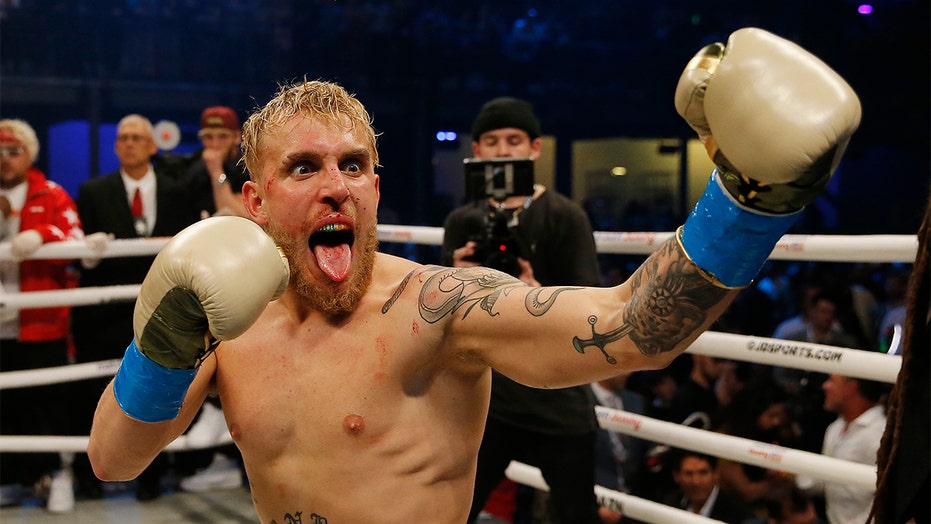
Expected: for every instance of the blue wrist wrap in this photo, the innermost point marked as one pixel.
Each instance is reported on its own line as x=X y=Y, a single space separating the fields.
x=148 y=391
x=729 y=241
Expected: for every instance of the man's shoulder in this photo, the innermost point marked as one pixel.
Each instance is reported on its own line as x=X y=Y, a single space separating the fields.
x=174 y=165
x=390 y=269
x=469 y=208
x=729 y=508
x=97 y=182
x=561 y=207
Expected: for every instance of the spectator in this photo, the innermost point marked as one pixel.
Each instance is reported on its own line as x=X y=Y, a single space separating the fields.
x=757 y=412
x=821 y=325
x=863 y=303
x=697 y=394
x=659 y=387
x=105 y=205
x=216 y=175
x=797 y=323
x=891 y=312
x=733 y=378
x=696 y=476
x=35 y=211
x=619 y=458
x=794 y=507
x=806 y=397
x=553 y=429
x=853 y=437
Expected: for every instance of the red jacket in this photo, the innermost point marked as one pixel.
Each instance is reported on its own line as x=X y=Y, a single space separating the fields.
x=52 y=212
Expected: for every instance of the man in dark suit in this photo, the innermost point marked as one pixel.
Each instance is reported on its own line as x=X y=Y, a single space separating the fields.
x=696 y=475
x=133 y=202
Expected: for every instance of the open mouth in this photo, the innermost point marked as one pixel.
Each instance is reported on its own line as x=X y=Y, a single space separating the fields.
x=331 y=245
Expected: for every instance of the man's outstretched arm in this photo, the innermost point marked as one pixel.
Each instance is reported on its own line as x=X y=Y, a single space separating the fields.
x=776 y=120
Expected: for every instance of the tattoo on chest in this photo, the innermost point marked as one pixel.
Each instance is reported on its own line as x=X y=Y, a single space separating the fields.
x=297 y=518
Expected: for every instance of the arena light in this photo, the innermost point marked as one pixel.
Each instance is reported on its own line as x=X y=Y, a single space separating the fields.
x=865 y=9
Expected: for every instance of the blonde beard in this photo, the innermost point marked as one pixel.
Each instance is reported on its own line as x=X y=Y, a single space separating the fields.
x=323 y=298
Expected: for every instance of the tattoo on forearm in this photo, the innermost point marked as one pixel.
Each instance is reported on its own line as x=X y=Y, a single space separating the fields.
x=666 y=308
x=663 y=309
x=296 y=518
x=600 y=340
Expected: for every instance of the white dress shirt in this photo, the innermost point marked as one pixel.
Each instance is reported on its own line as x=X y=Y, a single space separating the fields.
x=857 y=441
x=146 y=186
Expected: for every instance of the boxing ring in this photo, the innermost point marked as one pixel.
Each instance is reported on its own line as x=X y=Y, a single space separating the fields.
x=775 y=352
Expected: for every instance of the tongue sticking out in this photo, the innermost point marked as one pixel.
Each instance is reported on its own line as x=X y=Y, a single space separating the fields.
x=334 y=260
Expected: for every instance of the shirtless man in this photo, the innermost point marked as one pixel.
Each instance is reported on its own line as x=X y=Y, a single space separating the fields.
x=359 y=395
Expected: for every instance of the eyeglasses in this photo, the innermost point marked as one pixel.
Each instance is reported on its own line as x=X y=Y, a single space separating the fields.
x=132 y=138
x=11 y=151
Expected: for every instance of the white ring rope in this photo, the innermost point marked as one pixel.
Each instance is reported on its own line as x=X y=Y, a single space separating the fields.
x=746 y=451
x=834 y=248
x=124 y=247
x=83 y=296
x=849 y=362
x=629 y=505
x=78 y=444
x=59 y=374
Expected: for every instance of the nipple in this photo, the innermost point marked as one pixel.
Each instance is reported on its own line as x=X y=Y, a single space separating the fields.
x=353 y=424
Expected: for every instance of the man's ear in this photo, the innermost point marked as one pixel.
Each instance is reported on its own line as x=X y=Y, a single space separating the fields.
x=254 y=203
x=536 y=145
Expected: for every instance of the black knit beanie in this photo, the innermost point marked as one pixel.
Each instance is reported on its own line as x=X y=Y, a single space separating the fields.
x=504 y=112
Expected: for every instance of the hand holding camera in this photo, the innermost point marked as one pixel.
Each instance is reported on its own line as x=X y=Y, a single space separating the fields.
x=499 y=245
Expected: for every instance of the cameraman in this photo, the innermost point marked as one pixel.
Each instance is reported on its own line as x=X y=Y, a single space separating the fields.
x=553 y=429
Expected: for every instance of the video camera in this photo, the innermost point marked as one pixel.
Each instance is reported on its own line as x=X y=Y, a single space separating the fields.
x=500 y=244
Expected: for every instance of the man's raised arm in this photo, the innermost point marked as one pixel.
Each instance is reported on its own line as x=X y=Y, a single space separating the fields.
x=208 y=284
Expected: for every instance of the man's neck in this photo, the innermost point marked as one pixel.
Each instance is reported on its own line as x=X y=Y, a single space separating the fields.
x=515 y=201
x=136 y=172
x=856 y=408
x=8 y=185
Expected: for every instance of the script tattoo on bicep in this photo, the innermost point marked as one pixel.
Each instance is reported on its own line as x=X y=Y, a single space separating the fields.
x=664 y=308
x=449 y=290
x=296 y=518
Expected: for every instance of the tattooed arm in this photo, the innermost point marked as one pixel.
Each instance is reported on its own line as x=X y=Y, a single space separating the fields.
x=560 y=336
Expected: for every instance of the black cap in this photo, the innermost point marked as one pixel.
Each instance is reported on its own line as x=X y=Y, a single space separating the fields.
x=503 y=112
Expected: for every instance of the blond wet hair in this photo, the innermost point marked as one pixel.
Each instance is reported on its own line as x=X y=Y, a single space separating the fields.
x=316 y=99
